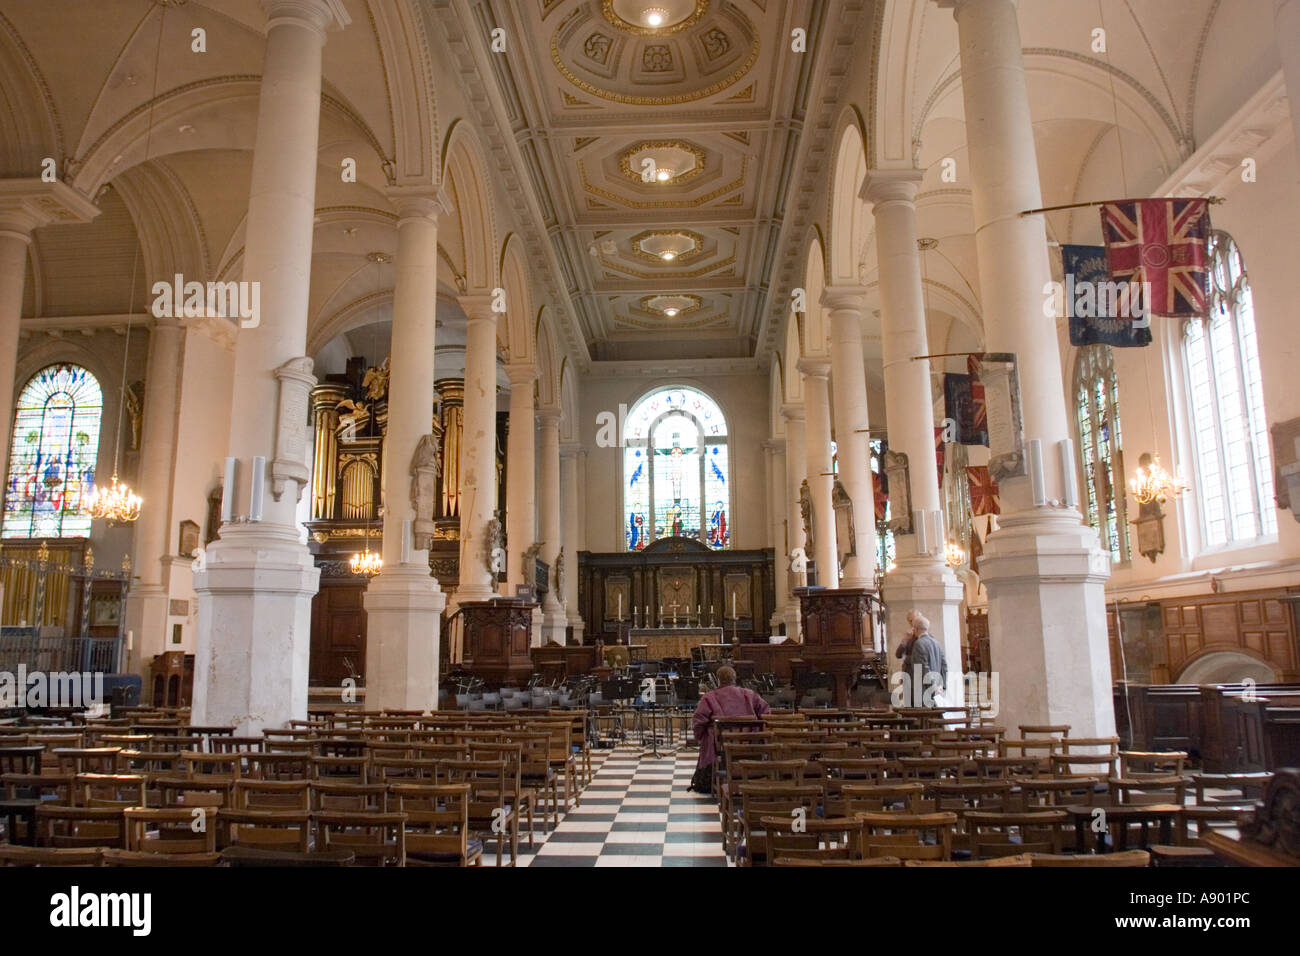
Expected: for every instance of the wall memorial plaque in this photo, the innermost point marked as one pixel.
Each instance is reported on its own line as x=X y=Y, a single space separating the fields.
x=899 y=477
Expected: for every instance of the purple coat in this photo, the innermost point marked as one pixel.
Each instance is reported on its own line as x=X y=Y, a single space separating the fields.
x=729 y=701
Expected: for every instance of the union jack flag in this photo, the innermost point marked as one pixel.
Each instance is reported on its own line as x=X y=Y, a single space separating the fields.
x=983 y=491
x=1162 y=242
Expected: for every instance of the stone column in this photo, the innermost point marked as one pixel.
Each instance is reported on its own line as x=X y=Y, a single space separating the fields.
x=521 y=480
x=1043 y=568
x=923 y=582
x=777 y=501
x=404 y=602
x=255 y=591
x=852 y=425
x=554 y=618
x=1287 y=32
x=817 y=456
x=25 y=205
x=478 y=449
x=147 y=606
x=572 y=460
x=795 y=540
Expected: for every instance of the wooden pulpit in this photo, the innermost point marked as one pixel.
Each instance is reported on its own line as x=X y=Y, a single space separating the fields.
x=837 y=635
x=497 y=637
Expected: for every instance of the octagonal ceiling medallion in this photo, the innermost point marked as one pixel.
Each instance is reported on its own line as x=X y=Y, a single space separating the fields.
x=676 y=245
x=672 y=161
x=671 y=305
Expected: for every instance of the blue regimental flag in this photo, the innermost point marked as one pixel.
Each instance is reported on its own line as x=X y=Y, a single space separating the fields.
x=1092 y=302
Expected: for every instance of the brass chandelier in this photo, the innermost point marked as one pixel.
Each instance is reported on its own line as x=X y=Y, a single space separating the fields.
x=1152 y=483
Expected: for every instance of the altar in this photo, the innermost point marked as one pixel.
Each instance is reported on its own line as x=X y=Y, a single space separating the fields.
x=662 y=642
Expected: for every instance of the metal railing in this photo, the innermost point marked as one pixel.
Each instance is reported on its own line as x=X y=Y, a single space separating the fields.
x=58 y=654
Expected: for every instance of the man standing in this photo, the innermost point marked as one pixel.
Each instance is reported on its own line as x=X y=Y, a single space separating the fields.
x=924 y=664
x=727 y=701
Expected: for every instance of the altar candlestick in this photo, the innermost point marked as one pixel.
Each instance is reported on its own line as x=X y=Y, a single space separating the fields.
x=620 y=607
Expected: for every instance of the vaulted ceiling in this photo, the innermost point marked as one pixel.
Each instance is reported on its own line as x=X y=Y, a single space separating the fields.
x=661 y=138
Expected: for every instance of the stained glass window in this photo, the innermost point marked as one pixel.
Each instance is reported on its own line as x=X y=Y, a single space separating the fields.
x=676 y=474
x=1226 y=395
x=52 y=454
x=885 y=553
x=1096 y=394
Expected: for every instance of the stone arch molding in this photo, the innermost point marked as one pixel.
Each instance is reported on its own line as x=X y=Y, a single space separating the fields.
x=471 y=198
x=1221 y=667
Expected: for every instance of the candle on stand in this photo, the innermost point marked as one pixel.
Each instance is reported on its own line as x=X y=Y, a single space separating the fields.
x=620 y=607
x=733 y=605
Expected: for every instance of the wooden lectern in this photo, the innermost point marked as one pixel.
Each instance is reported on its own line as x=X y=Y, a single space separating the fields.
x=497 y=637
x=837 y=635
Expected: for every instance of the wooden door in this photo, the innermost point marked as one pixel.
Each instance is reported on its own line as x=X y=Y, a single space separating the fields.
x=338 y=633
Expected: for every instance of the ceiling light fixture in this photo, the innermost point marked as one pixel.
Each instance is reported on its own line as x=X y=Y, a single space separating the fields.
x=655 y=16
x=664 y=175
x=670 y=312
x=668 y=255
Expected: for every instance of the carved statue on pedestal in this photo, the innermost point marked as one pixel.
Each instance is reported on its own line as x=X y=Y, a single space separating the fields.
x=558 y=574
x=529 y=561
x=805 y=510
x=494 y=551
x=426 y=465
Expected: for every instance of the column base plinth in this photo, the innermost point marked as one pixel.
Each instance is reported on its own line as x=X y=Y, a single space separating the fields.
x=403 y=613
x=254 y=629
x=1048 y=642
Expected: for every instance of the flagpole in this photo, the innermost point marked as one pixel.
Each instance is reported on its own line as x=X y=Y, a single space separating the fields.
x=1212 y=200
x=918 y=358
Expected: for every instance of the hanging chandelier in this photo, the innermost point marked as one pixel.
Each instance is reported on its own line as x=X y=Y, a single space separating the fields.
x=116 y=502
x=1153 y=483
x=366 y=562
x=953 y=554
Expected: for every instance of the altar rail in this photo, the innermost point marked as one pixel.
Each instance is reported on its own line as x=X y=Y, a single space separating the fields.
x=59 y=654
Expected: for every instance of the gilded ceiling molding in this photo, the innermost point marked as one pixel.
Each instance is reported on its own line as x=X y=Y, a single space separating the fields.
x=698 y=201
x=610 y=14
x=661 y=276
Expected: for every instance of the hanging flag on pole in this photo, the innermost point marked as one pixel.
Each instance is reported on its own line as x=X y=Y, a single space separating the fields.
x=984 y=498
x=1092 y=301
x=1162 y=244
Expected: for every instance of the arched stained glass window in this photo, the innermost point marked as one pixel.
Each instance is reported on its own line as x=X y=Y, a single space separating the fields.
x=676 y=476
x=1234 y=468
x=52 y=454
x=1096 y=397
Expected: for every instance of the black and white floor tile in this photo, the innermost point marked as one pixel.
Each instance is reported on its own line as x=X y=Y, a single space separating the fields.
x=636 y=812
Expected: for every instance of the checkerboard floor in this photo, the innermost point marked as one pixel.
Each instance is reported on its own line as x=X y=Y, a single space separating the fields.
x=635 y=812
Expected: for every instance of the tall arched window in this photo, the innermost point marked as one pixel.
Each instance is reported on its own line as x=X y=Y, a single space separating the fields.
x=1096 y=397
x=676 y=478
x=52 y=454
x=1234 y=468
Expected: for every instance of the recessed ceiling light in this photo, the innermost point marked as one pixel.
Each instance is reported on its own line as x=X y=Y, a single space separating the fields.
x=664 y=175
x=668 y=255
x=670 y=312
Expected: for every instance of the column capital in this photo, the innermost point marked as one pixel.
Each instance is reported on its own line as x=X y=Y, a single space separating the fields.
x=477 y=307
x=548 y=417
x=891 y=185
x=846 y=297
x=29 y=203
x=572 y=449
x=520 y=373
x=814 y=367
x=418 y=202
x=774 y=445
x=320 y=15
x=793 y=413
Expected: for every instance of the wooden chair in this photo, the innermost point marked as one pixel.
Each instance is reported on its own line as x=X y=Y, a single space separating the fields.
x=769 y=799
x=903 y=835
x=1022 y=860
x=168 y=860
x=266 y=829
x=327 y=795
x=272 y=795
x=377 y=838
x=341 y=769
x=1126 y=858
x=490 y=809
x=211 y=768
x=865 y=861
x=111 y=789
x=11 y=855
x=274 y=765
x=990 y=833
x=1039 y=792
x=175 y=829
x=798 y=836
x=876 y=798
x=437 y=825
x=81 y=827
